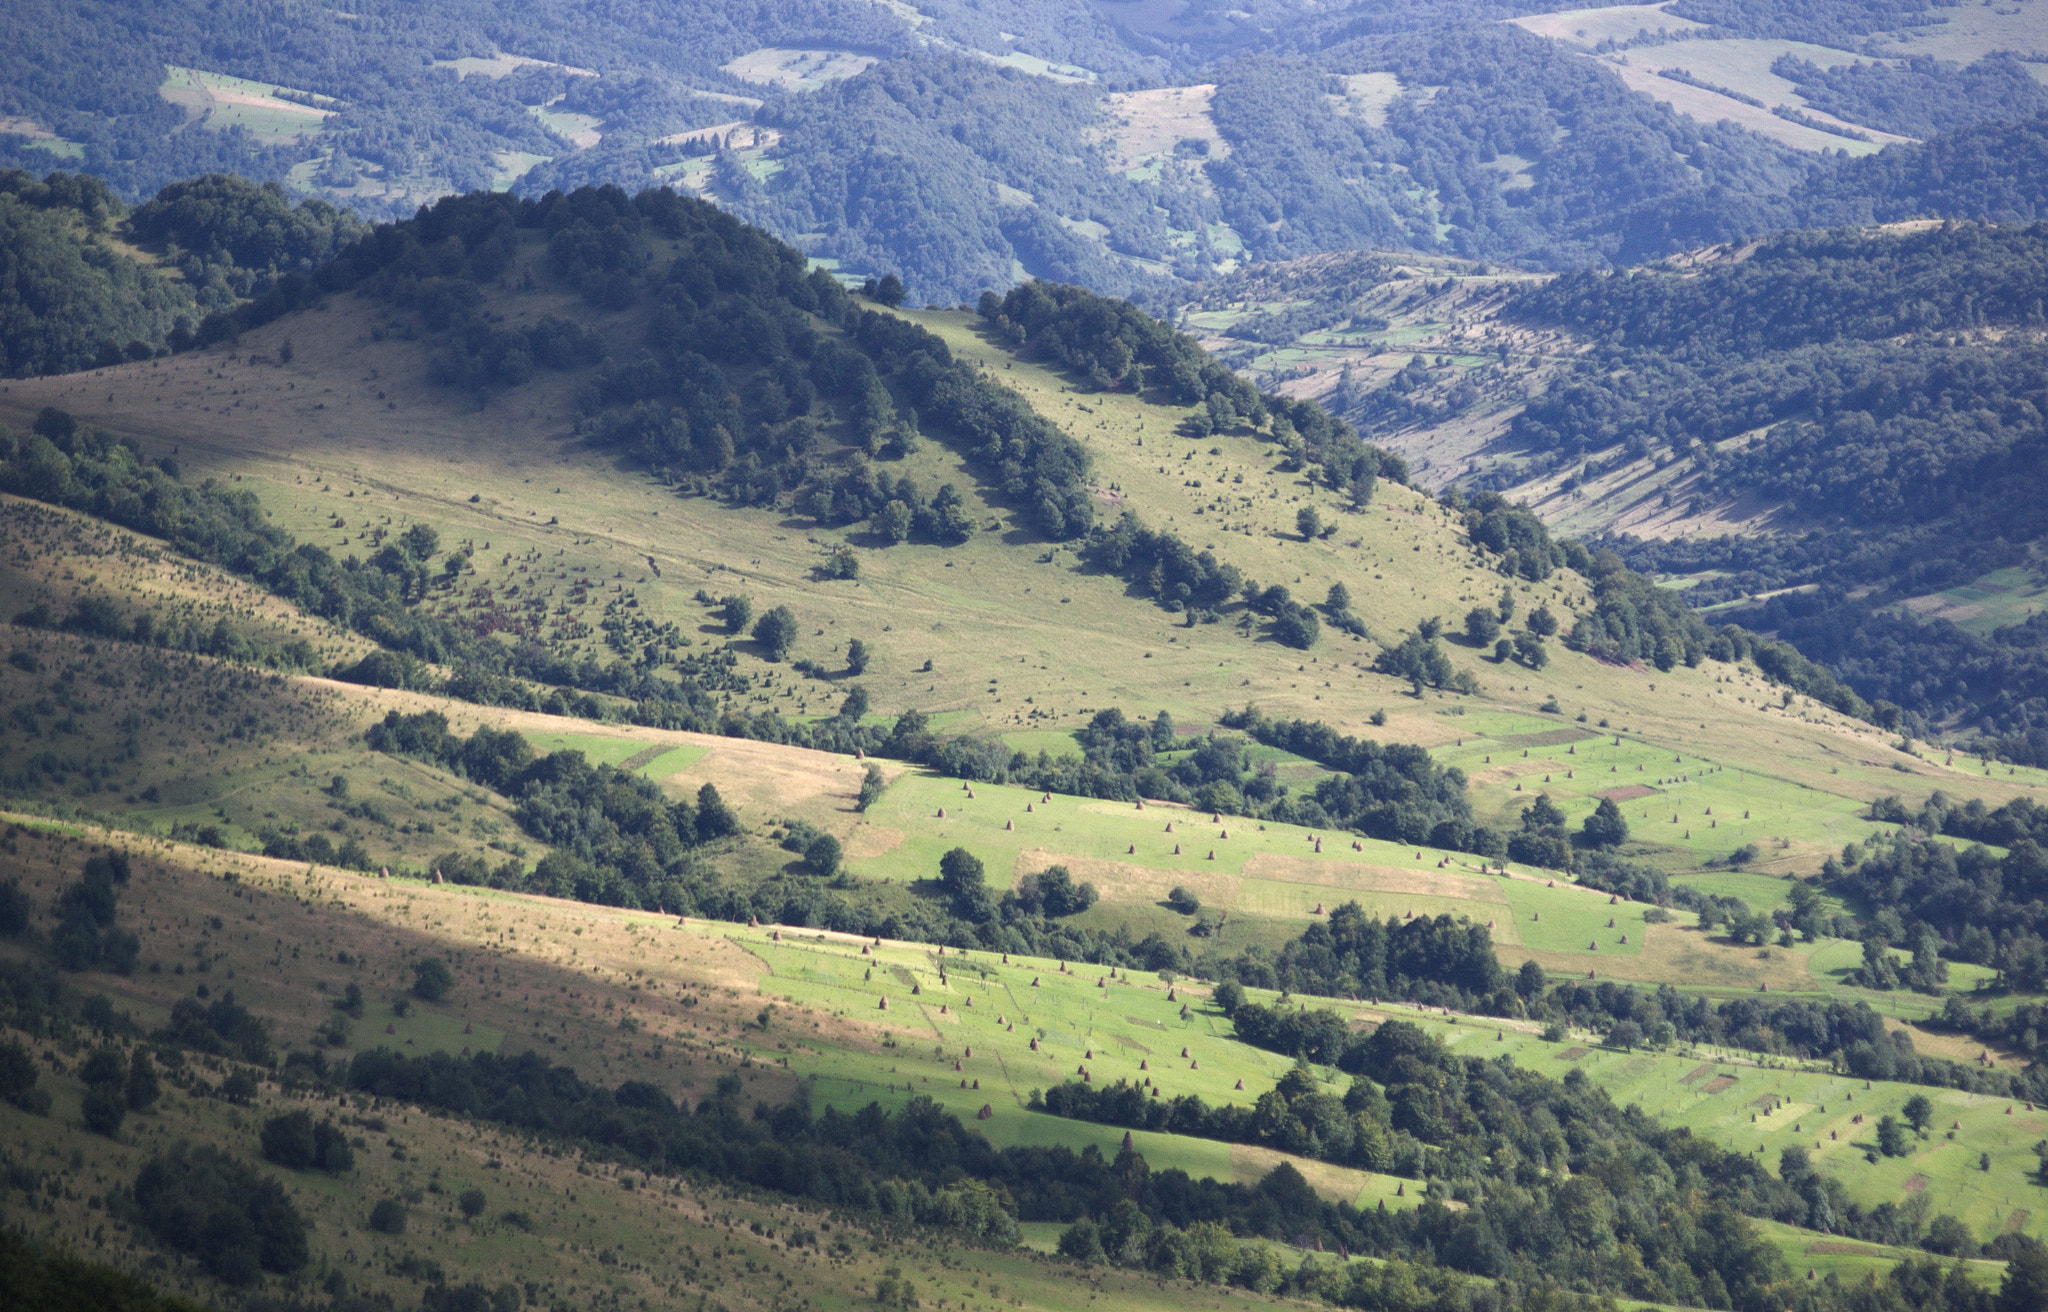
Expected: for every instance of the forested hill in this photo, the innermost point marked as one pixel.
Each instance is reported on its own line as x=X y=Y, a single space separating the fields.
x=75 y=291
x=1886 y=390
x=1071 y=141
x=748 y=377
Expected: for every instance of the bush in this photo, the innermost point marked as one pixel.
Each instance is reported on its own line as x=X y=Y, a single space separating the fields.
x=431 y=980
x=472 y=1202
x=104 y=1109
x=18 y=1076
x=821 y=855
x=388 y=1217
x=287 y=1140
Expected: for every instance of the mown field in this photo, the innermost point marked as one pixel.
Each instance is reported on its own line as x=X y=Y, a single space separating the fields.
x=964 y=1026
x=561 y=978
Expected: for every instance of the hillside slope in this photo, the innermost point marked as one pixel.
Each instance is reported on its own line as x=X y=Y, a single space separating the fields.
x=582 y=803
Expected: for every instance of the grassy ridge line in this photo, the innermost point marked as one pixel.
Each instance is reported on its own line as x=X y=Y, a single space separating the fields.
x=1058 y=676
x=1714 y=1092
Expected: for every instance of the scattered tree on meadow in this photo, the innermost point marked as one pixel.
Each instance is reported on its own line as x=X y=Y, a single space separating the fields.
x=431 y=980
x=776 y=632
x=1606 y=827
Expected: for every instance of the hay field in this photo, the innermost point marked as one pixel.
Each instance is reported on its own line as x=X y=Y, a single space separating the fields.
x=1124 y=1027
x=219 y=101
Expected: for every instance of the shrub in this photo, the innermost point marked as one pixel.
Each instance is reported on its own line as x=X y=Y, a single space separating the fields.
x=287 y=1140
x=431 y=980
x=388 y=1217
x=18 y=1076
x=104 y=1109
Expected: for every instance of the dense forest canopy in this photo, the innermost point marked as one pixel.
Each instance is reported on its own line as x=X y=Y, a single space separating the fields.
x=956 y=150
x=1886 y=388
x=74 y=293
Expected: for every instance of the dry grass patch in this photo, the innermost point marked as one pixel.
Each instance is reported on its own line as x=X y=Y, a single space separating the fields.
x=1356 y=876
x=1122 y=882
x=1150 y=123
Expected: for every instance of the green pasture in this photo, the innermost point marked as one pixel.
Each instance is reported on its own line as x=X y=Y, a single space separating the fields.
x=1262 y=870
x=1991 y=601
x=1125 y=1027
x=1821 y=1256
x=1699 y=807
x=274 y=118
x=565 y=123
x=424 y=1028
x=978 y=1051
x=655 y=761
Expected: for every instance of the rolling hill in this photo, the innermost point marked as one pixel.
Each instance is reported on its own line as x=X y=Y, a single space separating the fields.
x=417 y=640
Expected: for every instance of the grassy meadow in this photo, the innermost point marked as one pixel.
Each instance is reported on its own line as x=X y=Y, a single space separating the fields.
x=564 y=978
x=1007 y=636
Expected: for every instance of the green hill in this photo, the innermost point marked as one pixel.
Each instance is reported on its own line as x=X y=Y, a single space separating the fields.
x=449 y=591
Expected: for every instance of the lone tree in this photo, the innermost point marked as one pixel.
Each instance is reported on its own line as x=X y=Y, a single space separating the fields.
x=1541 y=622
x=1482 y=626
x=737 y=611
x=431 y=980
x=1606 y=827
x=1891 y=1137
x=1919 y=1111
x=960 y=872
x=857 y=657
x=776 y=632
x=1309 y=522
x=420 y=541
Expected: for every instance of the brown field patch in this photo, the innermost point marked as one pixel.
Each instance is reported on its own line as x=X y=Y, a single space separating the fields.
x=868 y=840
x=1119 y=881
x=1697 y=1074
x=1150 y=123
x=551 y=976
x=1573 y=1054
x=1718 y=1084
x=1372 y=878
x=1547 y=738
x=1681 y=954
x=1629 y=794
x=1836 y=1248
x=1915 y=1183
x=1507 y=771
x=2018 y=1219
x=1956 y=1047
x=1251 y=1164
